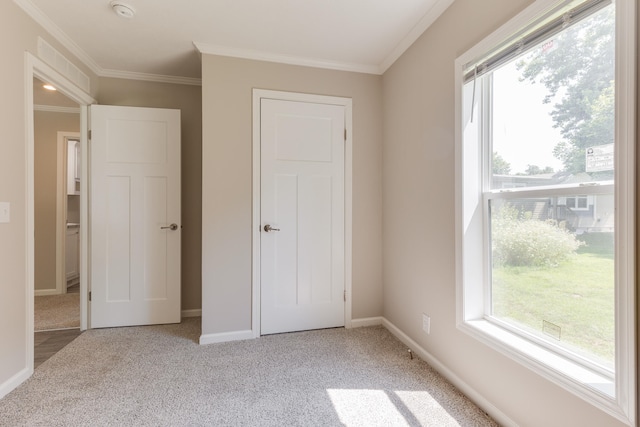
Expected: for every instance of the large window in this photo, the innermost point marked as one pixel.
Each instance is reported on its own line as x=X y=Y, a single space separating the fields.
x=545 y=203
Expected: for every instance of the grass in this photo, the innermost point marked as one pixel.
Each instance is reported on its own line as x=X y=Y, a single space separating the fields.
x=577 y=296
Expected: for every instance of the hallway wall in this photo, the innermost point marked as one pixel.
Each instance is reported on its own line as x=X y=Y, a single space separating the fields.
x=47 y=124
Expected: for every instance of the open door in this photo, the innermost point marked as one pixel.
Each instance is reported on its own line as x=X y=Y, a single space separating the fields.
x=135 y=216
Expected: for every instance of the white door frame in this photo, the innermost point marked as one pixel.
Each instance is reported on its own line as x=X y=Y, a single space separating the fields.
x=258 y=95
x=34 y=67
x=61 y=208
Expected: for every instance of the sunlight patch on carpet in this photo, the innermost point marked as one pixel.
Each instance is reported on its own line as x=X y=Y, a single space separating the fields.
x=354 y=408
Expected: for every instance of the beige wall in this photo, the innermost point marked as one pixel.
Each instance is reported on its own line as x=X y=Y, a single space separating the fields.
x=18 y=33
x=418 y=226
x=188 y=99
x=46 y=128
x=227 y=187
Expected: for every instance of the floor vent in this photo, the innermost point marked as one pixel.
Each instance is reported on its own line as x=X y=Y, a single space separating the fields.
x=55 y=59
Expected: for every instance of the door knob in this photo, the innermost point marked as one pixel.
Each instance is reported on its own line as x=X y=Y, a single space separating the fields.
x=269 y=228
x=172 y=227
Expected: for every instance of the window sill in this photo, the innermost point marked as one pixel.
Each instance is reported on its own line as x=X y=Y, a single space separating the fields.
x=593 y=387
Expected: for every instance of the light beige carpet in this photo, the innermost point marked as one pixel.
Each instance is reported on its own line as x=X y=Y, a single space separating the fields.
x=57 y=312
x=160 y=376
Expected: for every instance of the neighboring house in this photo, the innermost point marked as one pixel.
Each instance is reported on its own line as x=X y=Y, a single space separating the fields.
x=580 y=214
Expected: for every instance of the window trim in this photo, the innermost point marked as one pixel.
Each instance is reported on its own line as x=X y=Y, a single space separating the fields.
x=471 y=296
x=576 y=202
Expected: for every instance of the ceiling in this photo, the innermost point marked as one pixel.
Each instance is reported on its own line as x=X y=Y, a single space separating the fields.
x=44 y=97
x=165 y=37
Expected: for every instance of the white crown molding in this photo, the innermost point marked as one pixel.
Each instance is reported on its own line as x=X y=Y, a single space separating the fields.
x=432 y=14
x=159 y=78
x=211 y=49
x=425 y=22
x=36 y=14
x=56 y=109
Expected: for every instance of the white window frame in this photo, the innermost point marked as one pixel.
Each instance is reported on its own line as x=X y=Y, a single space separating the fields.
x=577 y=199
x=617 y=394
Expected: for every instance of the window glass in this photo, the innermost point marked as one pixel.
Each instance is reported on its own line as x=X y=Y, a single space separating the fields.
x=582 y=203
x=552 y=272
x=553 y=109
x=551 y=121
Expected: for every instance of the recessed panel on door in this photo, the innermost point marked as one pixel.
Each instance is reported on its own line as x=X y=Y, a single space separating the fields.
x=118 y=238
x=314 y=239
x=156 y=237
x=133 y=141
x=285 y=240
x=301 y=138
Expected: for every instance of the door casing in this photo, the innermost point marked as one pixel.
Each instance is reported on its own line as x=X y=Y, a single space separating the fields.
x=258 y=95
x=34 y=67
x=61 y=208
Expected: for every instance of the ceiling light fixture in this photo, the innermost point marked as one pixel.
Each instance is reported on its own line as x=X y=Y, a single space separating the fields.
x=123 y=9
x=49 y=87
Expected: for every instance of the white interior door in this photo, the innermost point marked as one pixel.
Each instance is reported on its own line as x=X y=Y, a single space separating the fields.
x=135 y=199
x=302 y=263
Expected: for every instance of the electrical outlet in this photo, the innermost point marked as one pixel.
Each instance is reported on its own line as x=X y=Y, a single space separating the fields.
x=426 y=324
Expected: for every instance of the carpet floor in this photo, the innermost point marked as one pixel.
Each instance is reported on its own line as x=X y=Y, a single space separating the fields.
x=160 y=376
x=57 y=312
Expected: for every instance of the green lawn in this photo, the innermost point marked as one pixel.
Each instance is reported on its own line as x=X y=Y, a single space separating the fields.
x=577 y=295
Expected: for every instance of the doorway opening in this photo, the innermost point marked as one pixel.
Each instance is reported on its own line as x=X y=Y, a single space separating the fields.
x=56 y=209
x=46 y=274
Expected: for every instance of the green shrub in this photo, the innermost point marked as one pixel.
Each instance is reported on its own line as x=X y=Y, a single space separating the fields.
x=602 y=243
x=518 y=240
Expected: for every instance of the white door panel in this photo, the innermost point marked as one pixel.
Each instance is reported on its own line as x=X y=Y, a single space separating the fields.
x=302 y=195
x=135 y=192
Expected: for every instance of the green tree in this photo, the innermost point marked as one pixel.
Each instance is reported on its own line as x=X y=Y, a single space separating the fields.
x=577 y=69
x=536 y=170
x=499 y=165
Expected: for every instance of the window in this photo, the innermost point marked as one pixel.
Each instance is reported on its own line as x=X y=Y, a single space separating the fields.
x=577 y=203
x=545 y=135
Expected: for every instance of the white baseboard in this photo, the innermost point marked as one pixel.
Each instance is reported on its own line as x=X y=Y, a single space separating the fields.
x=15 y=381
x=45 y=292
x=366 y=321
x=465 y=388
x=226 y=336
x=191 y=313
